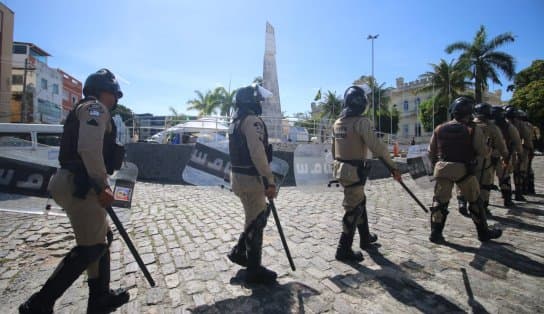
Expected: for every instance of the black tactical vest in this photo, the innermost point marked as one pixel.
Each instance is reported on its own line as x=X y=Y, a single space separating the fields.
x=70 y=159
x=454 y=141
x=239 y=153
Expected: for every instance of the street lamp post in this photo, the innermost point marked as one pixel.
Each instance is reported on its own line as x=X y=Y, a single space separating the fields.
x=391 y=123
x=371 y=37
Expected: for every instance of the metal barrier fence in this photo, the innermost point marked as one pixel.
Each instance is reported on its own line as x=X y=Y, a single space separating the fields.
x=287 y=129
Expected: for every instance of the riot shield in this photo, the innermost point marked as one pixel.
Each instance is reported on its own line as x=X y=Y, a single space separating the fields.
x=421 y=171
x=123 y=181
x=209 y=165
x=312 y=167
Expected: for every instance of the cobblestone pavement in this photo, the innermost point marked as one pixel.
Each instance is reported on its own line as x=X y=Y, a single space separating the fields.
x=183 y=234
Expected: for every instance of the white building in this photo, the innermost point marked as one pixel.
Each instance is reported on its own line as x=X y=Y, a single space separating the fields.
x=406 y=99
x=43 y=103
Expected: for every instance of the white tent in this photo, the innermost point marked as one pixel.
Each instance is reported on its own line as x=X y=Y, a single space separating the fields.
x=205 y=129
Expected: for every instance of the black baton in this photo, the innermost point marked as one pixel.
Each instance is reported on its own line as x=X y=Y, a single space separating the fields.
x=406 y=188
x=130 y=245
x=280 y=231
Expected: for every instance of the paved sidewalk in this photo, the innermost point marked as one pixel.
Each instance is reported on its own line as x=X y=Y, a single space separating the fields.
x=183 y=234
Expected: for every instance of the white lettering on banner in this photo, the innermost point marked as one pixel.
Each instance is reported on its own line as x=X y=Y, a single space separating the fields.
x=302 y=168
x=6 y=175
x=199 y=157
x=217 y=164
x=34 y=181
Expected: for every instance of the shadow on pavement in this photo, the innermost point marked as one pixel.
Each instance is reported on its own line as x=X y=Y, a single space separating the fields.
x=514 y=222
x=476 y=306
x=277 y=298
x=398 y=284
x=499 y=253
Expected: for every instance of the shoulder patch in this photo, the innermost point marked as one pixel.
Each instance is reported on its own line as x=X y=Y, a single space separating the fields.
x=258 y=126
x=95 y=109
x=92 y=122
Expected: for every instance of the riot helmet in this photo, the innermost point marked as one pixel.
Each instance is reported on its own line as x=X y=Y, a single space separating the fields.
x=461 y=107
x=511 y=112
x=483 y=111
x=497 y=112
x=355 y=100
x=102 y=81
x=522 y=115
x=249 y=98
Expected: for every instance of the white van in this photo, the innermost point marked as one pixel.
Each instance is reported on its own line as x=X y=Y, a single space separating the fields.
x=36 y=143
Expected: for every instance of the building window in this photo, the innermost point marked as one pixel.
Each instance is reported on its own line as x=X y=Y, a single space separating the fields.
x=43 y=84
x=405 y=106
x=417 y=129
x=17 y=80
x=56 y=89
x=19 y=49
x=405 y=129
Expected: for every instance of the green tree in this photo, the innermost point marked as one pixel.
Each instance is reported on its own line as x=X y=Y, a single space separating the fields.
x=448 y=80
x=529 y=92
x=426 y=113
x=177 y=117
x=484 y=60
x=124 y=112
x=331 y=105
x=206 y=104
x=380 y=93
x=226 y=100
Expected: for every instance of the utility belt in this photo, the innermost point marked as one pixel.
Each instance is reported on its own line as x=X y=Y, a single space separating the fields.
x=247 y=170
x=356 y=171
x=470 y=168
x=82 y=181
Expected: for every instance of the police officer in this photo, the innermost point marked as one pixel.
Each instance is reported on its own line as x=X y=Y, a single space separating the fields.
x=353 y=136
x=529 y=186
x=487 y=165
x=251 y=179
x=454 y=147
x=88 y=153
x=513 y=144
x=521 y=164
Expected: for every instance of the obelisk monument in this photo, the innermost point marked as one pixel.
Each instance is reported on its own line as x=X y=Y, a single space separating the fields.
x=271 y=107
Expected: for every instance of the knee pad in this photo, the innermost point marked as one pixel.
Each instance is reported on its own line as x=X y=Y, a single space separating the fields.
x=87 y=254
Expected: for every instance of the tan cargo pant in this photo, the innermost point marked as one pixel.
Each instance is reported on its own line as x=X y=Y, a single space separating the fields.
x=254 y=203
x=484 y=178
x=87 y=217
x=447 y=174
x=353 y=196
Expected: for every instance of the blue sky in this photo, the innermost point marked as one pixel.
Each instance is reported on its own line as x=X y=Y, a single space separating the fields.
x=164 y=50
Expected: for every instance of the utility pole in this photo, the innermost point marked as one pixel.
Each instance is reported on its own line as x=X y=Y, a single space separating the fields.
x=373 y=80
x=23 y=98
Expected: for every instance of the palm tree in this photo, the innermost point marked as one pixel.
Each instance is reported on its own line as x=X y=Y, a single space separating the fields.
x=447 y=80
x=226 y=100
x=484 y=60
x=206 y=104
x=176 y=116
x=378 y=90
x=331 y=106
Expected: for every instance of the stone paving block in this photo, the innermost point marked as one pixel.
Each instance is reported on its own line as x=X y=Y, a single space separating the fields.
x=185 y=250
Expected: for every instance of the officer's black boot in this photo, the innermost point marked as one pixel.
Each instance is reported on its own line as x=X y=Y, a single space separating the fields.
x=463 y=206
x=486 y=208
x=101 y=298
x=69 y=269
x=480 y=220
x=344 y=252
x=518 y=181
x=531 y=183
x=256 y=273
x=507 y=198
x=366 y=238
x=439 y=213
x=238 y=253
